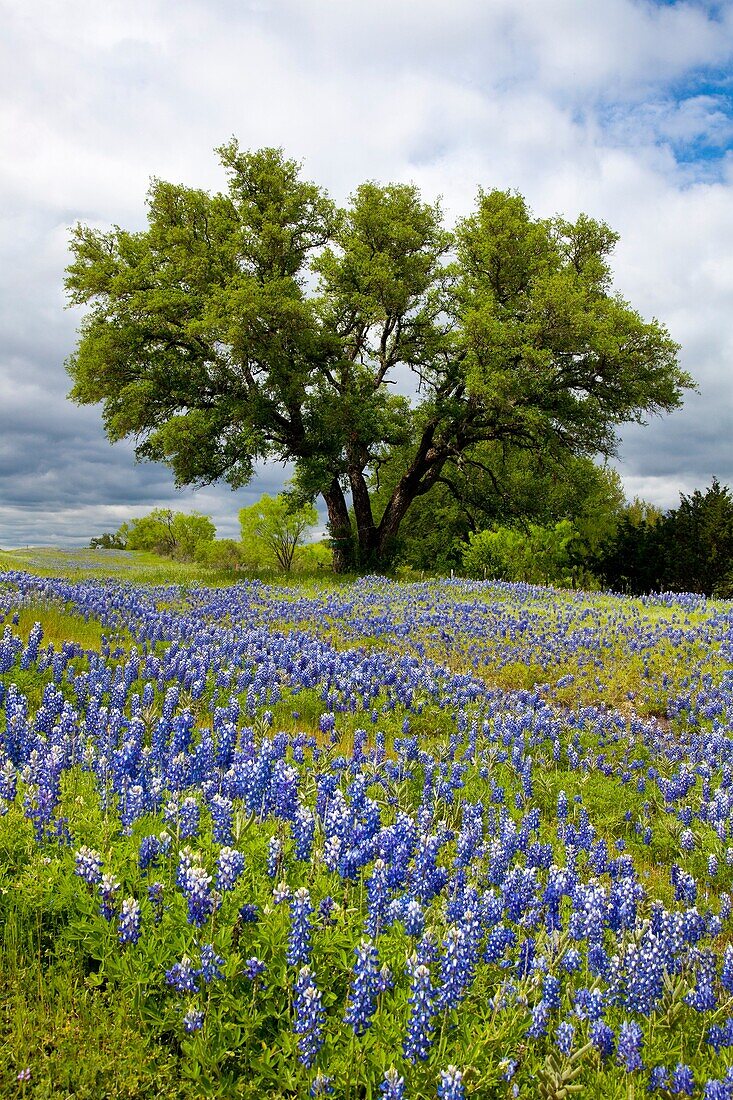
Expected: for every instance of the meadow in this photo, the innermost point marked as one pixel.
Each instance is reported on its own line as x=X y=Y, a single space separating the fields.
x=365 y=840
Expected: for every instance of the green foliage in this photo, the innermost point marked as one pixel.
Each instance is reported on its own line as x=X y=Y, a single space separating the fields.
x=690 y=549
x=493 y=485
x=108 y=541
x=313 y=556
x=208 y=341
x=275 y=527
x=172 y=534
x=541 y=555
x=226 y=555
x=698 y=541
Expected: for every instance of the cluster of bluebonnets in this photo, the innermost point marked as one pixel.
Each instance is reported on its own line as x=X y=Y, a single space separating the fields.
x=327 y=858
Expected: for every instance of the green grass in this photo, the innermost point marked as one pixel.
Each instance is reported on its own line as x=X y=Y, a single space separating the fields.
x=141 y=567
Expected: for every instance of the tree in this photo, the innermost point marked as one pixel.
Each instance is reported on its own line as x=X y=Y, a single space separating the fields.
x=278 y=525
x=108 y=541
x=633 y=559
x=493 y=486
x=698 y=542
x=210 y=341
x=225 y=555
x=540 y=555
x=173 y=534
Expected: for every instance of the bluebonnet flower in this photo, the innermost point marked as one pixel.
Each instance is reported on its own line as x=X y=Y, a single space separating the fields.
x=551 y=990
x=327 y=722
x=450 y=1086
x=326 y=907
x=419 y=1029
x=364 y=988
x=185 y=863
x=393 y=1086
x=303 y=830
x=254 y=968
x=602 y=1037
x=687 y=840
x=201 y=902
x=128 y=926
x=564 y=1035
x=108 y=888
x=183 y=976
x=716 y=1037
x=248 y=913
x=703 y=997
x=540 y=1019
x=193 y=1020
x=588 y=1004
x=456 y=968
x=309 y=1017
x=572 y=960
x=385 y=980
x=726 y=972
x=210 y=964
x=274 y=855
x=281 y=893
x=508 y=1067
x=88 y=865
x=155 y=897
x=683 y=1080
x=628 y=1051
x=658 y=1078
x=229 y=867
x=299 y=937
x=321 y=1086
x=413 y=918
x=377 y=897
x=718 y=1090
x=221 y=819
x=189 y=818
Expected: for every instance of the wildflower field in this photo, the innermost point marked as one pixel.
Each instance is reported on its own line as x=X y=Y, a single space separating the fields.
x=374 y=840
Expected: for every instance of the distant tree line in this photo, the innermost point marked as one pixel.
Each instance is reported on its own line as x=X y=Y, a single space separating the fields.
x=521 y=517
x=688 y=549
x=563 y=524
x=273 y=534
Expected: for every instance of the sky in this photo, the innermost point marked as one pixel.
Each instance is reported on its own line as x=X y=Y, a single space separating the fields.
x=622 y=109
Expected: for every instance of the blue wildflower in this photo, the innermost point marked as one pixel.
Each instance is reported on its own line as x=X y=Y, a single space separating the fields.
x=88 y=865
x=450 y=1086
x=193 y=1020
x=299 y=938
x=309 y=1016
x=628 y=1052
x=564 y=1035
x=393 y=1086
x=418 y=1039
x=364 y=988
x=128 y=925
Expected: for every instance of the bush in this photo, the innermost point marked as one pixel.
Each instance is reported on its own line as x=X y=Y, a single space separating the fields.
x=541 y=555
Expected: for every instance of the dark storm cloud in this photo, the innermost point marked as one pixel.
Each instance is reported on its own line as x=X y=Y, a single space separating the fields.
x=616 y=107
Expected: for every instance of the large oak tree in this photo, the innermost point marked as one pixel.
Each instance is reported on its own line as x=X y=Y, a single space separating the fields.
x=266 y=323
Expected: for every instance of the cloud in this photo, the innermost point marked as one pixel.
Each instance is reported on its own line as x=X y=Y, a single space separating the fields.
x=621 y=108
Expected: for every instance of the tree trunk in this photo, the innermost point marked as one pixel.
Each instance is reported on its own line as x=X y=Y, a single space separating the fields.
x=339 y=526
x=365 y=526
x=424 y=471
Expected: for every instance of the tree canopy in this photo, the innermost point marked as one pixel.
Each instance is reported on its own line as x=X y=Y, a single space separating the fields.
x=264 y=322
x=278 y=526
x=163 y=531
x=688 y=549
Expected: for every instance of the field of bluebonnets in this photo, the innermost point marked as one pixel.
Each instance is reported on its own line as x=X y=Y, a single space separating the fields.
x=437 y=839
